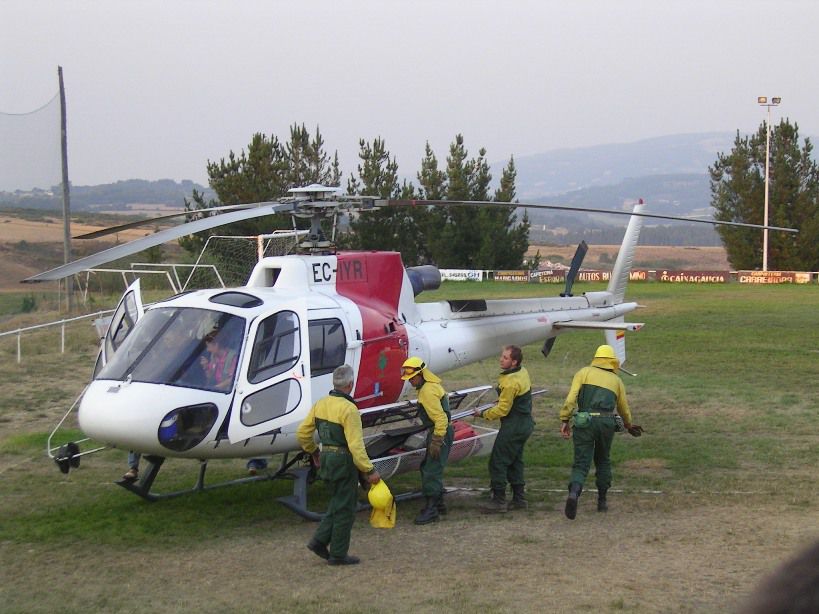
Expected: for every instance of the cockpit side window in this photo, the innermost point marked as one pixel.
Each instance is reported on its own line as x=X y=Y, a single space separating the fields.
x=276 y=348
x=328 y=346
x=122 y=322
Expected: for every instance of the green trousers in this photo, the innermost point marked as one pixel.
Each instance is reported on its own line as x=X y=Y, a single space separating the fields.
x=432 y=469
x=506 y=460
x=341 y=477
x=593 y=442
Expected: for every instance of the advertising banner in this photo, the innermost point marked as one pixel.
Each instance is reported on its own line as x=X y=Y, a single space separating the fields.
x=594 y=276
x=548 y=276
x=694 y=277
x=460 y=275
x=768 y=277
x=512 y=276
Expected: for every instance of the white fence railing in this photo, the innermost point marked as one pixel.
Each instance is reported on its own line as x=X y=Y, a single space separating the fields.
x=61 y=323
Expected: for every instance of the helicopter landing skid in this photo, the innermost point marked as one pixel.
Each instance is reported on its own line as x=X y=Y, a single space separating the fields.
x=297 y=502
x=142 y=486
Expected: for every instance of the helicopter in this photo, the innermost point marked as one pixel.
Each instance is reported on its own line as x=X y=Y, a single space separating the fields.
x=283 y=333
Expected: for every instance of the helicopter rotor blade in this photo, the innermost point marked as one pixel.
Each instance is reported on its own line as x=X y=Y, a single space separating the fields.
x=315 y=194
x=574 y=268
x=489 y=203
x=169 y=234
x=119 y=228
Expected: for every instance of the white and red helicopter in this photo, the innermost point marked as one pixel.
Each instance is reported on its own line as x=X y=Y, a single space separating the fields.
x=296 y=319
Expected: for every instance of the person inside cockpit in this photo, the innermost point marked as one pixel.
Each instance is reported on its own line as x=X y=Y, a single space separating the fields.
x=220 y=364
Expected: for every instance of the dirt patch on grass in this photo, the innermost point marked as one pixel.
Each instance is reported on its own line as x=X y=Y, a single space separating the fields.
x=51 y=230
x=28 y=247
x=654 y=467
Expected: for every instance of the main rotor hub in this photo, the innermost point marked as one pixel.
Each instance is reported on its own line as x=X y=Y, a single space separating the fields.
x=316 y=201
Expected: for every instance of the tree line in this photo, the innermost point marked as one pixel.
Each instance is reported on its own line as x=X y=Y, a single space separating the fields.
x=453 y=237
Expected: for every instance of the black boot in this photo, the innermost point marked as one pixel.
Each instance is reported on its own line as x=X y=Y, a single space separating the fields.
x=497 y=504
x=429 y=513
x=602 y=505
x=317 y=548
x=571 y=501
x=518 y=498
x=441 y=506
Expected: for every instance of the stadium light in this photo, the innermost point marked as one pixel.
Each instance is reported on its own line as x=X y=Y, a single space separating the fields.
x=763 y=101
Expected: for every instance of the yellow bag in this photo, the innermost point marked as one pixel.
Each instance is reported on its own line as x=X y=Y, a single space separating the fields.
x=384 y=509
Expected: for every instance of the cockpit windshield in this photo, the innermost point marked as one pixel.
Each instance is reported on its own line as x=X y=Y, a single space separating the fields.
x=197 y=348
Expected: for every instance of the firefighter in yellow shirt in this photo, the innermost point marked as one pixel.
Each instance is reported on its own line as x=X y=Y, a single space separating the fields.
x=343 y=456
x=434 y=414
x=514 y=410
x=597 y=392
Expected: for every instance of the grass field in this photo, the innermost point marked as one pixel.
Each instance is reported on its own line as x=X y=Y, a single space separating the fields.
x=722 y=487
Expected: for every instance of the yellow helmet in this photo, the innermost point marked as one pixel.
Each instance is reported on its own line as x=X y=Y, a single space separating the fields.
x=384 y=509
x=605 y=351
x=412 y=366
x=379 y=495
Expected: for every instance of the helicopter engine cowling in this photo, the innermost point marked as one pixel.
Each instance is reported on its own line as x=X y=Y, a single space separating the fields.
x=424 y=277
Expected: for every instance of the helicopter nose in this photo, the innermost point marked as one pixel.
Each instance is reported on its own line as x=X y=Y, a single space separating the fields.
x=147 y=417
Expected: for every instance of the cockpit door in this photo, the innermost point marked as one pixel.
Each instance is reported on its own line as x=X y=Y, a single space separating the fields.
x=128 y=311
x=273 y=385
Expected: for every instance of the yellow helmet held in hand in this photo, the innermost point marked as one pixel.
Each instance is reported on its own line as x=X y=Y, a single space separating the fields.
x=384 y=509
x=412 y=366
x=379 y=495
x=605 y=351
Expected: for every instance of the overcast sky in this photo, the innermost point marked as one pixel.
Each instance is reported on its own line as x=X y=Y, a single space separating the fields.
x=156 y=89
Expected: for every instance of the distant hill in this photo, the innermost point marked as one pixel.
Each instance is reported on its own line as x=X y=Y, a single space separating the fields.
x=670 y=173
x=119 y=196
x=680 y=195
x=564 y=170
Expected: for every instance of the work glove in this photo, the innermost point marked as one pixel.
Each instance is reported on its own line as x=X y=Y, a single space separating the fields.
x=435 y=446
x=635 y=430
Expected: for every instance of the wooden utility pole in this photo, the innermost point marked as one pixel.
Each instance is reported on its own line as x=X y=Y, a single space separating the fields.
x=69 y=281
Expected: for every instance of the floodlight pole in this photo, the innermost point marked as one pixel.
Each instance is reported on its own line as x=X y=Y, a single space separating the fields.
x=69 y=281
x=763 y=101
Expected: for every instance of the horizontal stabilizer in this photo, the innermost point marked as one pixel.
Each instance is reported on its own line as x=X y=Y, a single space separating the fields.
x=630 y=326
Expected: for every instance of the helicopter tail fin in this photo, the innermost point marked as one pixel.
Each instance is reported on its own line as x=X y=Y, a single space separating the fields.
x=625 y=257
x=617 y=340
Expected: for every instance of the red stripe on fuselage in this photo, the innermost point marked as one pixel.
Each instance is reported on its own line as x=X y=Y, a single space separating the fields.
x=372 y=280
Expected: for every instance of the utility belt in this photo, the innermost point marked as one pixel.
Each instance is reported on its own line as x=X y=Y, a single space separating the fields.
x=336 y=449
x=582 y=419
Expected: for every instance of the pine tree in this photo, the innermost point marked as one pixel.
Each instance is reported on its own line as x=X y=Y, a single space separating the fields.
x=432 y=182
x=476 y=237
x=451 y=231
x=265 y=172
x=737 y=195
x=389 y=228
x=504 y=240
